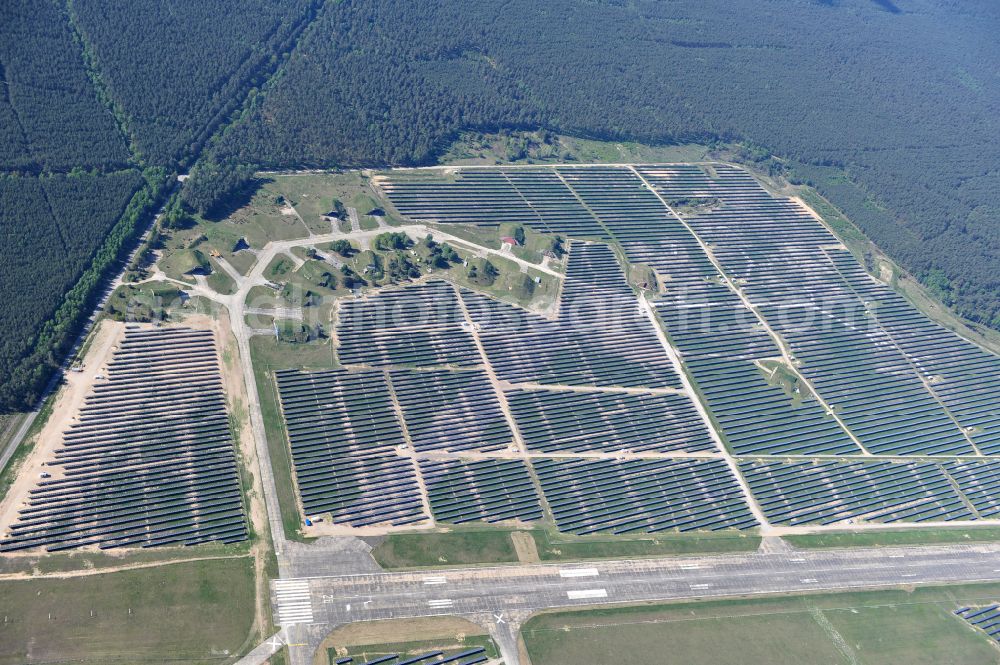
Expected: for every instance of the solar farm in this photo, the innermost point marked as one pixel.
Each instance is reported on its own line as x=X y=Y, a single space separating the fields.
x=986 y=619
x=694 y=365
x=149 y=459
x=764 y=380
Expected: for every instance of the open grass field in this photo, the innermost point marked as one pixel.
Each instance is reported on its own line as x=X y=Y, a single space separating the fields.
x=875 y=628
x=46 y=563
x=197 y=612
x=558 y=547
x=143 y=302
x=494 y=545
x=415 y=550
x=220 y=281
x=533 y=148
x=896 y=537
x=588 y=150
x=313 y=195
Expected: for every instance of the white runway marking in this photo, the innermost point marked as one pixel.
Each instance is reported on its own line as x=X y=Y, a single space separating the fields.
x=435 y=580
x=581 y=594
x=579 y=572
x=443 y=602
x=294 y=602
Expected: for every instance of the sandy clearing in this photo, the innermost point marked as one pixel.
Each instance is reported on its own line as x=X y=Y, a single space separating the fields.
x=525 y=546
x=76 y=387
x=237 y=401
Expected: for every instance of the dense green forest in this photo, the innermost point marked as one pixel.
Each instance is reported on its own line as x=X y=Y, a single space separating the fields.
x=902 y=96
x=51 y=227
x=178 y=69
x=50 y=115
x=64 y=184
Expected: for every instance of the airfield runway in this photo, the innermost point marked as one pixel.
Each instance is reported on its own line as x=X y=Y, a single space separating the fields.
x=503 y=594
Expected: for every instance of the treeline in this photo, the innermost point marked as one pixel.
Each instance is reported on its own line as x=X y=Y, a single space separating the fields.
x=50 y=115
x=179 y=69
x=57 y=240
x=903 y=103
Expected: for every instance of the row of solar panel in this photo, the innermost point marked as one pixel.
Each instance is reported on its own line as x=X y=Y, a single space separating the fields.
x=471 y=656
x=346 y=438
x=829 y=492
x=986 y=619
x=150 y=460
x=348 y=466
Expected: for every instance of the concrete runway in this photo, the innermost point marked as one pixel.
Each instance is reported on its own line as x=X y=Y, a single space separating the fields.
x=500 y=597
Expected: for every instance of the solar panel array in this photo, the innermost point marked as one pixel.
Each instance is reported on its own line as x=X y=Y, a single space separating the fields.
x=601 y=338
x=963 y=377
x=451 y=410
x=470 y=656
x=987 y=619
x=719 y=336
x=420 y=325
x=467 y=454
x=150 y=460
x=979 y=482
x=581 y=422
x=827 y=492
x=488 y=490
x=343 y=433
x=793 y=348
x=789 y=265
x=537 y=198
x=633 y=214
x=594 y=496
x=723 y=349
